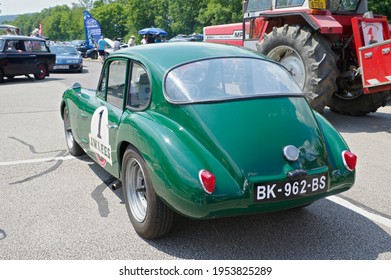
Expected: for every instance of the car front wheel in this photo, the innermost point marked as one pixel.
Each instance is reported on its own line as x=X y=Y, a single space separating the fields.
x=150 y=217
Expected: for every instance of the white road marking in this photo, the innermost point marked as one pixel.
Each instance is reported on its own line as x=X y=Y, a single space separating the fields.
x=6 y=163
x=376 y=218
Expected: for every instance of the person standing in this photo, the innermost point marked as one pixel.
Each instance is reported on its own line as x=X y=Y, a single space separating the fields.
x=117 y=44
x=131 y=41
x=144 y=40
x=101 y=49
x=157 y=39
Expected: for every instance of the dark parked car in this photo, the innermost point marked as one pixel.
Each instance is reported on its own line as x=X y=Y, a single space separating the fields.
x=67 y=59
x=81 y=46
x=22 y=55
x=93 y=53
x=187 y=38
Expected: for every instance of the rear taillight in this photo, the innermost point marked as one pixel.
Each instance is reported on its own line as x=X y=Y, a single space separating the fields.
x=208 y=181
x=349 y=160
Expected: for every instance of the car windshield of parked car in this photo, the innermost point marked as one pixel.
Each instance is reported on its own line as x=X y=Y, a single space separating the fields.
x=64 y=50
x=228 y=78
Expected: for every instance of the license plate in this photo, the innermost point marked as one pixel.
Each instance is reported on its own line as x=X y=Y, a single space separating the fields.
x=289 y=189
x=317 y=4
x=61 y=67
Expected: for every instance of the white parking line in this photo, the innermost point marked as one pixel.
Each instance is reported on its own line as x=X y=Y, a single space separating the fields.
x=376 y=218
x=6 y=163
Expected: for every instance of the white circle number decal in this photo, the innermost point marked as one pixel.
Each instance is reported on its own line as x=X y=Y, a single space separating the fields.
x=99 y=136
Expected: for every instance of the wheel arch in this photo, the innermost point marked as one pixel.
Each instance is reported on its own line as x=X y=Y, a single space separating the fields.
x=62 y=107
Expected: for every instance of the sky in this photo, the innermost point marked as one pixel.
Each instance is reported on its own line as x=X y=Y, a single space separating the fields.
x=16 y=7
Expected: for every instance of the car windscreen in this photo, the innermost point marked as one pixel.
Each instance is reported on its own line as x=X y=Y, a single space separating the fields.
x=2 y=43
x=228 y=78
x=65 y=50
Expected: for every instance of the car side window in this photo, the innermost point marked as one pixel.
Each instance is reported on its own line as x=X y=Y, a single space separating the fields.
x=35 y=46
x=13 y=46
x=116 y=82
x=139 y=94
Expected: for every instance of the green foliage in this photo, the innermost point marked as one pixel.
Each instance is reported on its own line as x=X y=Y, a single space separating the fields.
x=380 y=7
x=123 y=18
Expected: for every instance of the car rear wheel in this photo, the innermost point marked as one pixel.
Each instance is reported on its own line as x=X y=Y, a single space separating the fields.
x=1 y=76
x=73 y=147
x=41 y=73
x=150 y=217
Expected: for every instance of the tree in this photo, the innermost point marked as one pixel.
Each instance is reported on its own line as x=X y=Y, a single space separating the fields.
x=220 y=12
x=380 y=7
x=184 y=16
x=112 y=18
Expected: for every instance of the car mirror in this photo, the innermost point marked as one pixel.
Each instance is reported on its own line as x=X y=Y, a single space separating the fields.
x=76 y=87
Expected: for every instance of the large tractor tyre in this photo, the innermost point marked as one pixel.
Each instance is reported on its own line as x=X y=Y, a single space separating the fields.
x=150 y=217
x=358 y=104
x=308 y=57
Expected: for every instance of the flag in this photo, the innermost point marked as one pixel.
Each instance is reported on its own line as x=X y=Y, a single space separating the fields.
x=92 y=29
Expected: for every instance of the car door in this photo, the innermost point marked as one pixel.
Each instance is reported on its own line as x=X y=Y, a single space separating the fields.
x=20 y=61
x=106 y=118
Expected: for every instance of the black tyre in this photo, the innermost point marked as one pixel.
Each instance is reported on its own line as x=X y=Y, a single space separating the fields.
x=94 y=55
x=41 y=72
x=1 y=76
x=73 y=147
x=150 y=217
x=308 y=57
x=357 y=103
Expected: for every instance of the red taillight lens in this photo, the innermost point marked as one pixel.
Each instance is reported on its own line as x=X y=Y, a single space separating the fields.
x=349 y=160
x=208 y=181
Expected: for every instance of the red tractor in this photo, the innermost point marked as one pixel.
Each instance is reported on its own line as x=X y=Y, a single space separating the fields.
x=338 y=52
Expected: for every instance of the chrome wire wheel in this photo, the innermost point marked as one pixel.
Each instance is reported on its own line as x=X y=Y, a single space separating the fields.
x=136 y=190
x=150 y=217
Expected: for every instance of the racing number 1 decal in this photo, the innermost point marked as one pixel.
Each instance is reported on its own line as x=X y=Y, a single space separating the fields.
x=99 y=136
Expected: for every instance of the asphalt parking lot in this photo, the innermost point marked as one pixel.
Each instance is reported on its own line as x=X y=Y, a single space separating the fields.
x=55 y=206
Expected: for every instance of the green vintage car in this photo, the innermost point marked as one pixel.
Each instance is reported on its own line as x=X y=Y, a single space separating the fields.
x=205 y=131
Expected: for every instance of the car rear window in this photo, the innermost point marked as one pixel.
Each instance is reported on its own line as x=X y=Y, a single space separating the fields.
x=228 y=78
x=67 y=50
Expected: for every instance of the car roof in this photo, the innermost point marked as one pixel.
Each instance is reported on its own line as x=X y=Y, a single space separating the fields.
x=24 y=38
x=166 y=55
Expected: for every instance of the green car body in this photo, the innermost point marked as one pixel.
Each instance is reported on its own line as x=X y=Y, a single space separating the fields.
x=244 y=141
